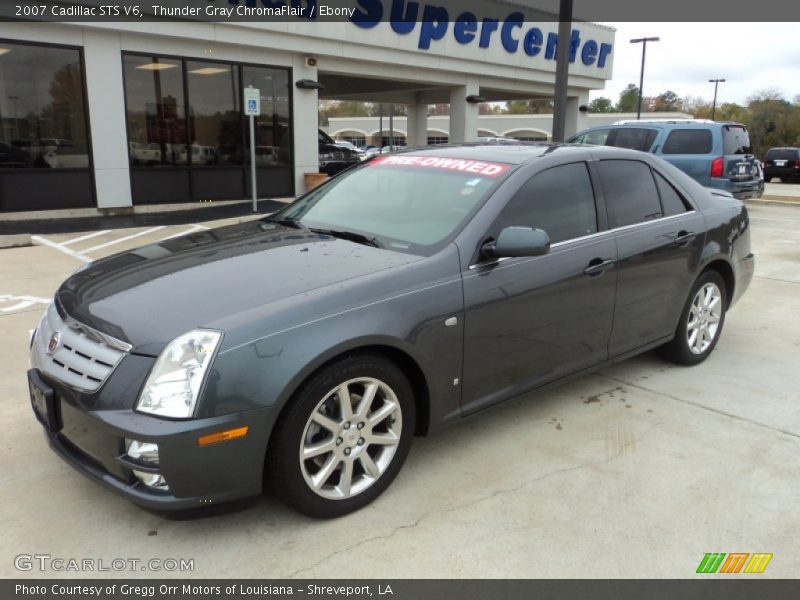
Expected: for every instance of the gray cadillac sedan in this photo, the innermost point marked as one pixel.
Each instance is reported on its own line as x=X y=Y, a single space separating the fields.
x=302 y=352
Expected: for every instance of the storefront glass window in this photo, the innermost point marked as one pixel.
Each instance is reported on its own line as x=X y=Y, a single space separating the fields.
x=273 y=127
x=215 y=113
x=42 y=109
x=157 y=130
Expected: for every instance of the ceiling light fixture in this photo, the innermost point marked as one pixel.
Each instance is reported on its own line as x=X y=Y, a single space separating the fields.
x=156 y=66
x=209 y=71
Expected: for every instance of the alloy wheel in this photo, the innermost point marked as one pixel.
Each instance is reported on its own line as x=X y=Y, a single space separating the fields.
x=350 y=438
x=705 y=314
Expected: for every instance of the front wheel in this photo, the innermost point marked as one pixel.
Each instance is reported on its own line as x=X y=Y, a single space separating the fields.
x=343 y=438
x=701 y=322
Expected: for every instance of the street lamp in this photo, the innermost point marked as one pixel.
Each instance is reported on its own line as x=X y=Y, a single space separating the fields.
x=643 y=42
x=716 y=83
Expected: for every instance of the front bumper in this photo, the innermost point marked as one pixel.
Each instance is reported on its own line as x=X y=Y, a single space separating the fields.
x=93 y=442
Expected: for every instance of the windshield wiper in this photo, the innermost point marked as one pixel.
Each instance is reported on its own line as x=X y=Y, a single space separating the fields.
x=293 y=223
x=350 y=236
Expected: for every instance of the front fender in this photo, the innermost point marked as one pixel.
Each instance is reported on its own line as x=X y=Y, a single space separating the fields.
x=265 y=372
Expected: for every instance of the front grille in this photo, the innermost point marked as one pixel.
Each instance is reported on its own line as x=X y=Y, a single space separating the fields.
x=83 y=358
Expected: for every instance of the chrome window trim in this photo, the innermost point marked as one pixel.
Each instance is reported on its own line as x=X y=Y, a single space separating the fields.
x=494 y=261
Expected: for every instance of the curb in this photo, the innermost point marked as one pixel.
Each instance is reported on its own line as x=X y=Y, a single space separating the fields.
x=69 y=224
x=15 y=241
x=774 y=201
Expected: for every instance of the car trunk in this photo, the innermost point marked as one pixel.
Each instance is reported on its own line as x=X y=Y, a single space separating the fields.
x=739 y=162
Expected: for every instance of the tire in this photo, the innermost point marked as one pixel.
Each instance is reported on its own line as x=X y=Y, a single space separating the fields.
x=684 y=349
x=768 y=179
x=370 y=444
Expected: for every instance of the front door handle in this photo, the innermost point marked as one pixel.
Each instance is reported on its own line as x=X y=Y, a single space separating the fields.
x=683 y=238
x=597 y=266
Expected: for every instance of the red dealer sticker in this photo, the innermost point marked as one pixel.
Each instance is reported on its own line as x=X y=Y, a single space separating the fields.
x=475 y=167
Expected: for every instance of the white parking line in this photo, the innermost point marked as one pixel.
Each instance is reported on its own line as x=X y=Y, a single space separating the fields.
x=60 y=247
x=124 y=239
x=22 y=302
x=85 y=237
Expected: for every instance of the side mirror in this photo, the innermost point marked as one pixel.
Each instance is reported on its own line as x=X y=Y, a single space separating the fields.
x=518 y=241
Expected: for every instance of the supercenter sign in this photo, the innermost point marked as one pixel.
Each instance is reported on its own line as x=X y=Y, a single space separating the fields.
x=434 y=22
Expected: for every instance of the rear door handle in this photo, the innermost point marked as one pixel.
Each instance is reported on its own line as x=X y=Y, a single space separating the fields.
x=683 y=238
x=597 y=266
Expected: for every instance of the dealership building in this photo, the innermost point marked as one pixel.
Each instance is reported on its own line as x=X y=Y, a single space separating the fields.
x=113 y=115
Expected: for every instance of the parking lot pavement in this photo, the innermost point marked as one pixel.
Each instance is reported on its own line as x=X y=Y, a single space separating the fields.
x=779 y=190
x=635 y=471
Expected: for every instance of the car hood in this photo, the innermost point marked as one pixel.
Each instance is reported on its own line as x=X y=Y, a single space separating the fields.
x=150 y=295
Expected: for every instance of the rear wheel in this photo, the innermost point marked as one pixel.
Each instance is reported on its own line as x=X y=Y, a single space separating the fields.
x=344 y=437
x=768 y=179
x=701 y=322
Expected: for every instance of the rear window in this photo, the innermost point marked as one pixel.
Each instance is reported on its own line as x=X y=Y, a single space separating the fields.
x=735 y=140
x=630 y=192
x=634 y=138
x=783 y=154
x=597 y=137
x=688 y=141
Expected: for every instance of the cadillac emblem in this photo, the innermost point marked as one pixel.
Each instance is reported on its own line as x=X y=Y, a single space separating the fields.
x=54 y=343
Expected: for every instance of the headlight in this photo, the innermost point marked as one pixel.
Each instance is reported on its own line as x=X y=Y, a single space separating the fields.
x=172 y=388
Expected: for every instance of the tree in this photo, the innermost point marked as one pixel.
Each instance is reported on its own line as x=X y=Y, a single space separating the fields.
x=628 y=99
x=666 y=102
x=601 y=105
x=769 y=119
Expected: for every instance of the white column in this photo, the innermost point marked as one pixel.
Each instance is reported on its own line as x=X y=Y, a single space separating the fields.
x=106 y=100
x=463 y=114
x=576 y=119
x=305 y=116
x=417 y=125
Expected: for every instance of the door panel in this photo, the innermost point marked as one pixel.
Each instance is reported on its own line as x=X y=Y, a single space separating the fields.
x=656 y=265
x=529 y=321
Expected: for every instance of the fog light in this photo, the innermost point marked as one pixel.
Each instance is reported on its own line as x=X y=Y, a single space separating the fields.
x=144 y=452
x=155 y=481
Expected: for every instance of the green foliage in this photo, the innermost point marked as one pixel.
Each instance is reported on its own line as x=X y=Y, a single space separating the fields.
x=601 y=105
x=628 y=99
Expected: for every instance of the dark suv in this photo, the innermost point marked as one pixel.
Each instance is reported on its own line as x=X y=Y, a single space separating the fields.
x=332 y=158
x=716 y=154
x=783 y=163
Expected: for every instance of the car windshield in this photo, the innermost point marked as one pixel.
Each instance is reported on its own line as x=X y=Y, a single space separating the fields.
x=405 y=203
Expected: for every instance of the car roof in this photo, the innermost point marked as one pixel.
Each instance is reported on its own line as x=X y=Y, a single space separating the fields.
x=511 y=153
x=517 y=153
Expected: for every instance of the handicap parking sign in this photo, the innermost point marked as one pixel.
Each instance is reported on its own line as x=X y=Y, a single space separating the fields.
x=252 y=102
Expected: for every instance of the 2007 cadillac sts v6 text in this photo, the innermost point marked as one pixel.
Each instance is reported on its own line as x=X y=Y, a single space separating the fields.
x=302 y=352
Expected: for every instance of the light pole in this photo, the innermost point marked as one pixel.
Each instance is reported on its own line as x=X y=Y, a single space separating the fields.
x=716 y=83
x=643 y=42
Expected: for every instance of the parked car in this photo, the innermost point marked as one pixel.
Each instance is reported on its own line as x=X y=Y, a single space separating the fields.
x=12 y=156
x=350 y=146
x=334 y=159
x=783 y=163
x=201 y=155
x=147 y=154
x=300 y=353
x=714 y=153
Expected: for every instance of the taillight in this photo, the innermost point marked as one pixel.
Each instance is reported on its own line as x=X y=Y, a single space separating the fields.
x=797 y=164
x=717 y=167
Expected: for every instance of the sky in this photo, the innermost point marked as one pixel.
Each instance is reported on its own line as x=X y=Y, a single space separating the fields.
x=749 y=56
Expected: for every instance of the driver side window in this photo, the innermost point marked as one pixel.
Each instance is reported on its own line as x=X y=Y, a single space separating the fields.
x=559 y=200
